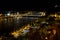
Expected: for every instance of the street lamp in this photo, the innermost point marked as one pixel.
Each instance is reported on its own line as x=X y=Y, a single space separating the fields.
x=8 y=14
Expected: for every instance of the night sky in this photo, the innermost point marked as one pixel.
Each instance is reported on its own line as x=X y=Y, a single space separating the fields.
x=41 y=5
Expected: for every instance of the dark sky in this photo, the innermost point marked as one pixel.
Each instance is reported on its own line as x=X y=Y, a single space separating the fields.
x=40 y=5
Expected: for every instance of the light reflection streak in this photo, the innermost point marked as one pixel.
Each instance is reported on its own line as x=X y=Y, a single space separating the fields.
x=17 y=33
x=54 y=31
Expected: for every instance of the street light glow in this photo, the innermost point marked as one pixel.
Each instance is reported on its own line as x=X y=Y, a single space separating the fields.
x=8 y=14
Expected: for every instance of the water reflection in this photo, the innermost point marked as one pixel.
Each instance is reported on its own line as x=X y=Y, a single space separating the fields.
x=9 y=24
